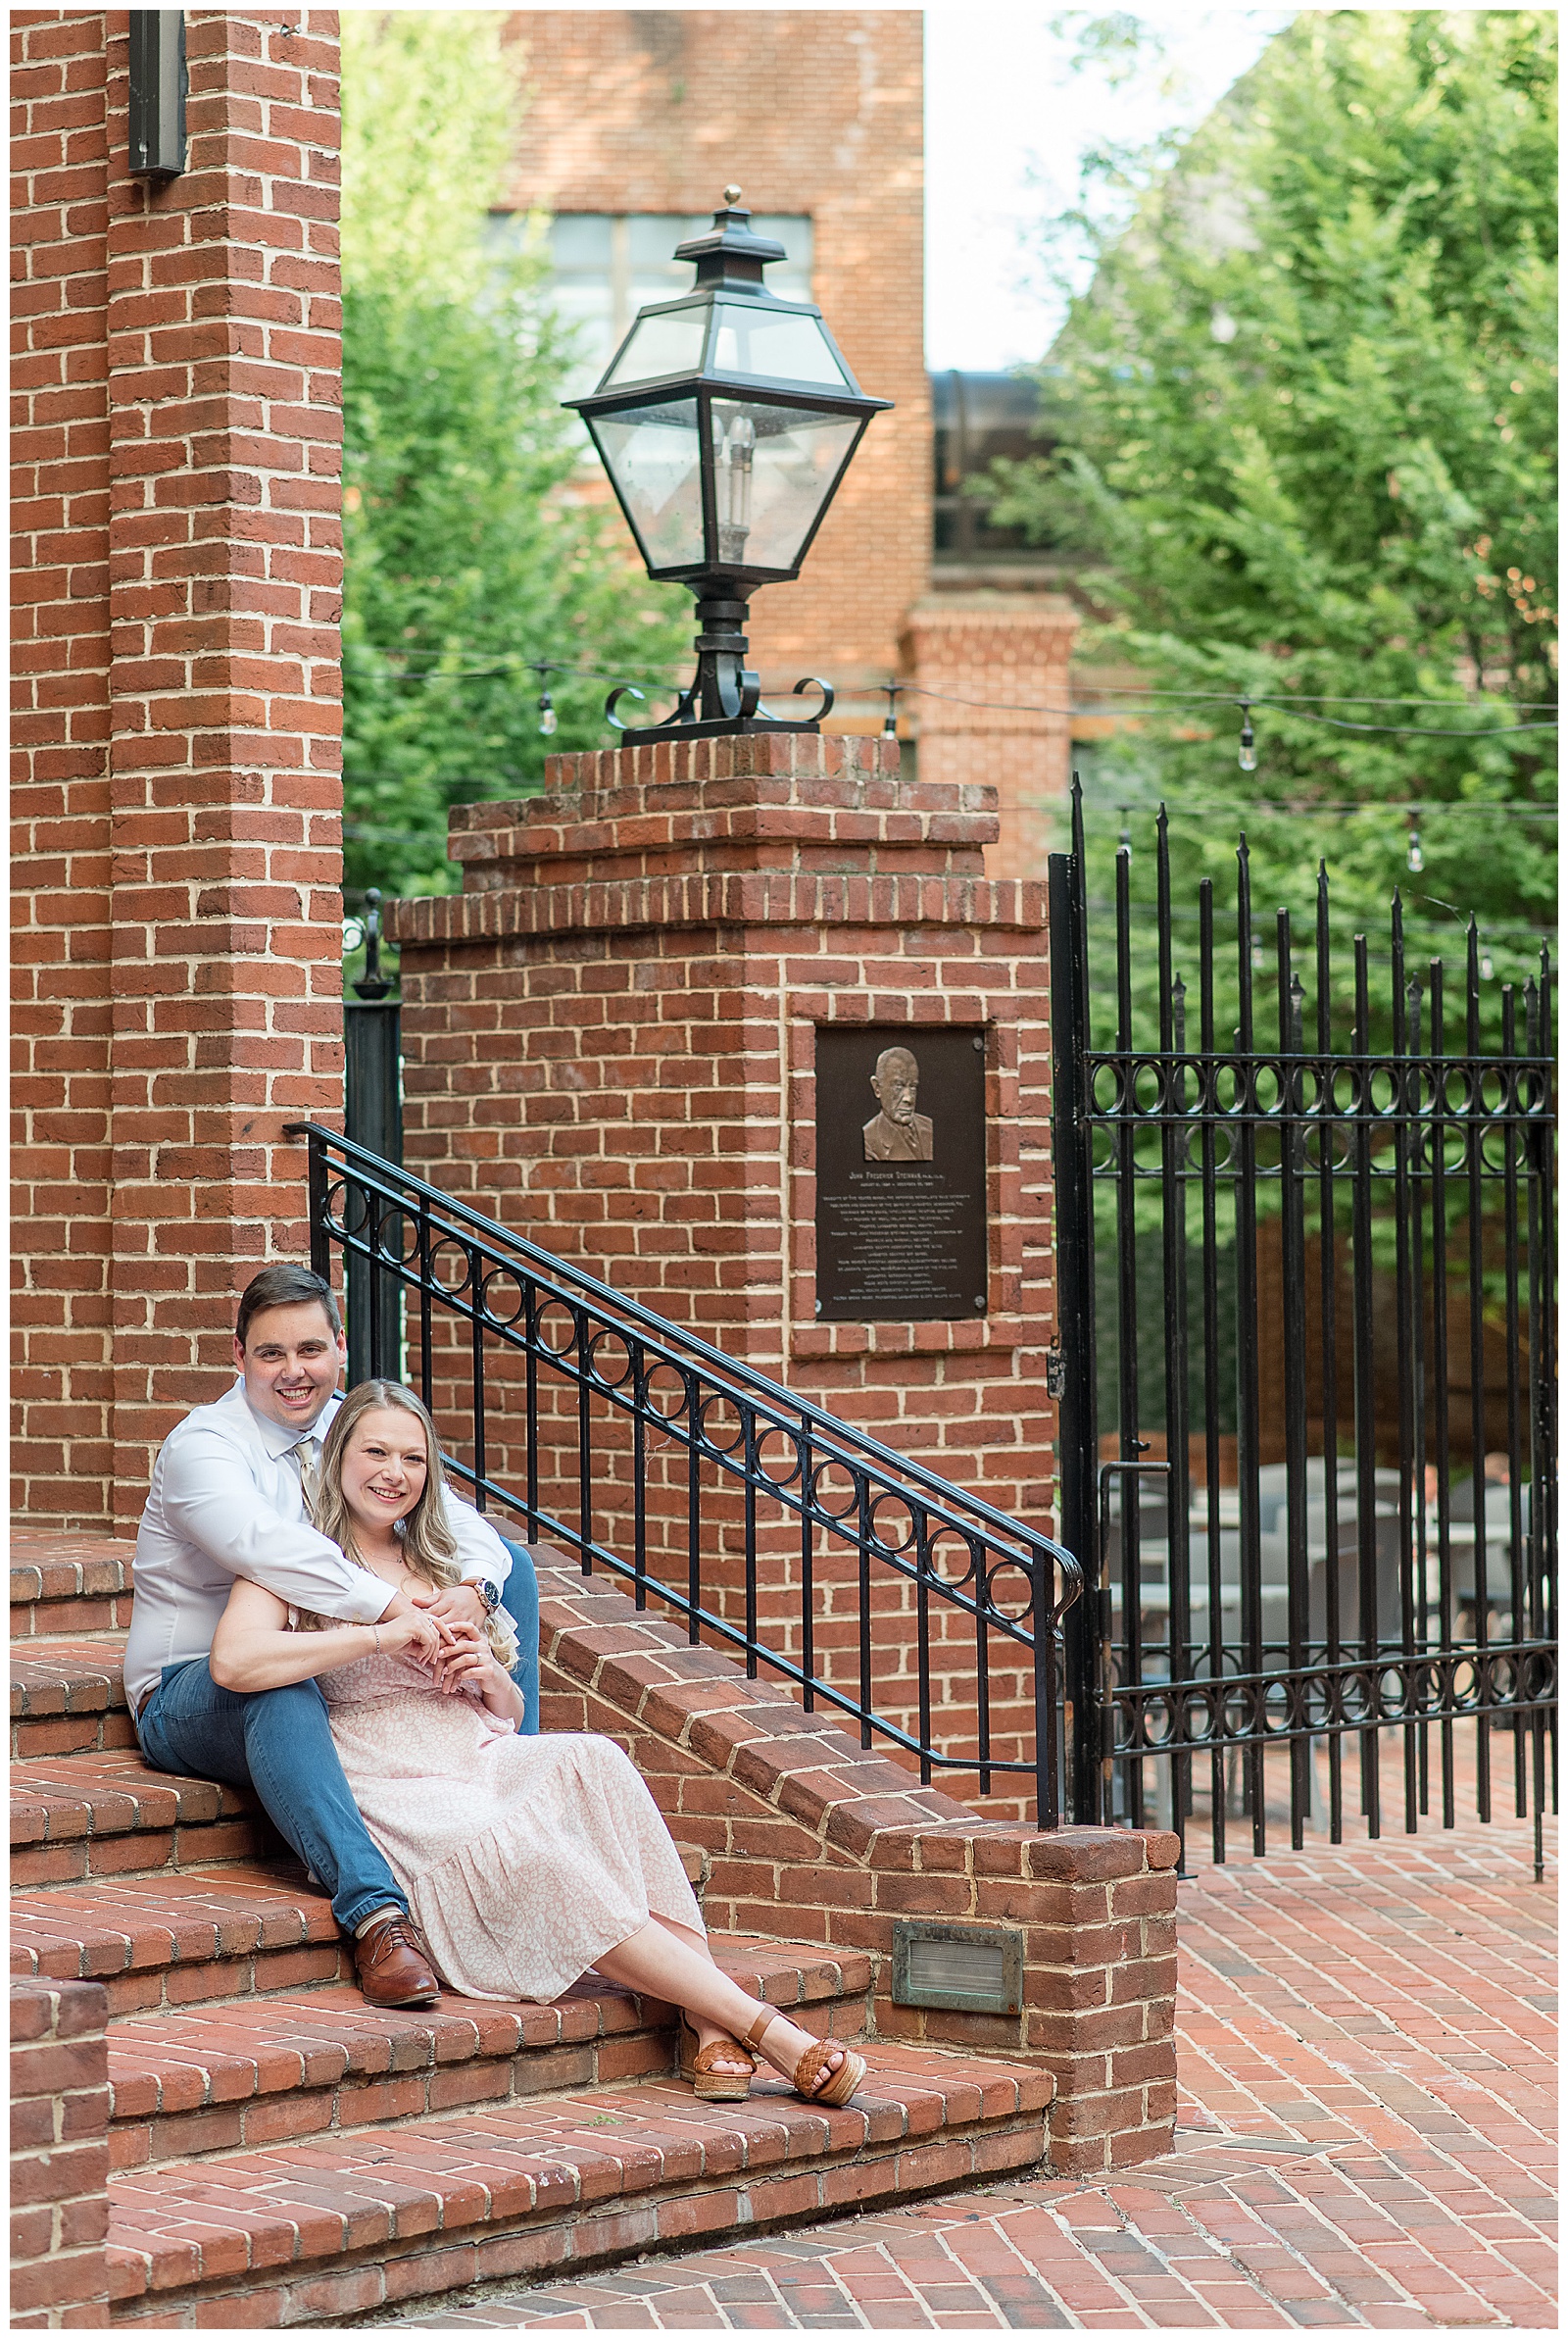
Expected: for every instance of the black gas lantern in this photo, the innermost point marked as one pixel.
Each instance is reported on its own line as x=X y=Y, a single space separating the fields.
x=727 y=421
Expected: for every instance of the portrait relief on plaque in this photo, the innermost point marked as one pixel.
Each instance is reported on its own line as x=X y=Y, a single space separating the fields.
x=897 y=1132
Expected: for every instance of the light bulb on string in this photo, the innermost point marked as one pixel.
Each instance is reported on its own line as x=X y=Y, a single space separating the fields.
x=1485 y=963
x=1257 y=951
x=1247 y=753
x=890 y=727
x=1414 y=858
x=1126 y=835
x=548 y=719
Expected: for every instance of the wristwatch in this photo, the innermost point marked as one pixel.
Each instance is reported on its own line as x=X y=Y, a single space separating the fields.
x=488 y=1592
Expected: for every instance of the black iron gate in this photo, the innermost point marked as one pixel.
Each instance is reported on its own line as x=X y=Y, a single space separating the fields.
x=1308 y=1374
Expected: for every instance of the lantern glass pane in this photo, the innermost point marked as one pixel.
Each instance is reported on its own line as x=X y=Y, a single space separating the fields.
x=775 y=470
x=671 y=343
x=651 y=455
x=772 y=346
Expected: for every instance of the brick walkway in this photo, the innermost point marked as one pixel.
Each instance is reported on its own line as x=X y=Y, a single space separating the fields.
x=1368 y=2079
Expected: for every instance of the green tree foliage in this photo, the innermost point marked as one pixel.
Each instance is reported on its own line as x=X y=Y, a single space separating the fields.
x=472 y=546
x=1302 y=427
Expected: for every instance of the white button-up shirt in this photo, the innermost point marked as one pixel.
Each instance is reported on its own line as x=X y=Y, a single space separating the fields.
x=227 y=1501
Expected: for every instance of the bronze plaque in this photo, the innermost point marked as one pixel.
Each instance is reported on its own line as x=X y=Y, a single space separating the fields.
x=901 y=1172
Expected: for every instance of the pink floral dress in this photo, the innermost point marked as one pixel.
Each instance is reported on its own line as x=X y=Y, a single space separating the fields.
x=523 y=1858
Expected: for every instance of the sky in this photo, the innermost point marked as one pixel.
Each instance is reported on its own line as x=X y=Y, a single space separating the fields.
x=1006 y=122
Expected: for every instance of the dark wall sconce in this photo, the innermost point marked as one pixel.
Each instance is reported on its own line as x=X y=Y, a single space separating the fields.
x=158 y=84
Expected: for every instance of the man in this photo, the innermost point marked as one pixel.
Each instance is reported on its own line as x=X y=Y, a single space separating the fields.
x=229 y=1498
x=898 y=1132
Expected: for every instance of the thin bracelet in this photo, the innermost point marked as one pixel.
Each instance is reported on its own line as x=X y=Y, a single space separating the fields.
x=376 y=1630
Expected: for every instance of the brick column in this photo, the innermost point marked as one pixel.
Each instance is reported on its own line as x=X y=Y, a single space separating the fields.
x=1011 y=649
x=201 y=759
x=59 y=2156
x=62 y=1430
x=611 y=1041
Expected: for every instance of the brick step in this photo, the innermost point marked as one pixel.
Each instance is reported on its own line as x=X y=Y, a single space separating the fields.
x=192 y=1935
x=69 y=1583
x=320 y=2232
x=266 y=2070
x=68 y=1696
x=184 y=1937
x=80 y=1818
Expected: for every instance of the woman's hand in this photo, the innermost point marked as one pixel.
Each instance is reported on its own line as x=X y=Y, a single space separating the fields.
x=422 y=1636
x=410 y=1634
x=468 y=1661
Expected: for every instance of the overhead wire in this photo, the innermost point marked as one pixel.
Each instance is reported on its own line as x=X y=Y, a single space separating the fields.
x=1302 y=709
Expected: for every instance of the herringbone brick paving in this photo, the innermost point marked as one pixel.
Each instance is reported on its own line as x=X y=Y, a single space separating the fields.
x=1366 y=2041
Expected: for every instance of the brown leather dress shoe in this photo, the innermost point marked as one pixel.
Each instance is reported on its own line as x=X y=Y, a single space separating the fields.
x=394 y=1966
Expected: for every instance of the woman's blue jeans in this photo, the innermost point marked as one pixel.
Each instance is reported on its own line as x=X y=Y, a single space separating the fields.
x=279 y=1741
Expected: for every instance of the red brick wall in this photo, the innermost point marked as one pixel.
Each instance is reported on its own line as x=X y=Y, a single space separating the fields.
x=59 y=2156
x=609 y=1042
x=177 y=796
x=1011 y=651
x=814 y=111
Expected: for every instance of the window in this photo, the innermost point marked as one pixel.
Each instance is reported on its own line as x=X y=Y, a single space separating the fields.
x=606 y=265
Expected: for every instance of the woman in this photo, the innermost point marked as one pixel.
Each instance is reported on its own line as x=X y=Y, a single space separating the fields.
x=526 y=1860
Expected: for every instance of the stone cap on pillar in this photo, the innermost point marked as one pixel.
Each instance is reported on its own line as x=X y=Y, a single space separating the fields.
x=766 y=830
x=786 y=804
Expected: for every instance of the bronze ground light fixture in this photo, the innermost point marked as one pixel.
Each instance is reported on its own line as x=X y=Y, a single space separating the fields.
x=726 y=419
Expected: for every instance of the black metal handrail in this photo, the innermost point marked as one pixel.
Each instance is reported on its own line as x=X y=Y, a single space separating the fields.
x=841 y=1491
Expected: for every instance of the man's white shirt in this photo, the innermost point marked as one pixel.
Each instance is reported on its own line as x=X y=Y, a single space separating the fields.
x=227 y=1501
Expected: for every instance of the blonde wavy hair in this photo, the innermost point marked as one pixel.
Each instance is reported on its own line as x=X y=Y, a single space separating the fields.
x=430 y=1548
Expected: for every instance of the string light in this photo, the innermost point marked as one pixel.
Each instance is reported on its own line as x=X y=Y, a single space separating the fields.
x=1485 y=963
x=1246 y=754
x=1414 y=858
x=1302 y=708
x=890 y=727
x=548 y=719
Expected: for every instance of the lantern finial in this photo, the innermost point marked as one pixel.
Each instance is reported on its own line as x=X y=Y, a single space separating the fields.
x=725 y=421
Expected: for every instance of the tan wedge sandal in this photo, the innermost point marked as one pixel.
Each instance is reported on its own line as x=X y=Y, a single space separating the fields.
x=849 y=2076
x=710 y=2087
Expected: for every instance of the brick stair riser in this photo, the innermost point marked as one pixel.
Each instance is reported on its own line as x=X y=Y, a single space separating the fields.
x=267 y=1972
x=145 y=1852
x=390 y=2099
x=74 y=1616
x=547 y=2212
x=646 y=2048
x=70 y=1597
x=72 y=1734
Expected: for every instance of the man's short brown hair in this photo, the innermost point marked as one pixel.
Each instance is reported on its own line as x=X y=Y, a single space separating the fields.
x=284 y=1286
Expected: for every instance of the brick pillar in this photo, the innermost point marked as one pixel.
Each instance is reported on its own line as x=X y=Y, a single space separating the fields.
x=187 y=438
x=1013 y=650
x=610 y=1041
x=59 y=2156
x=62 y=1428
